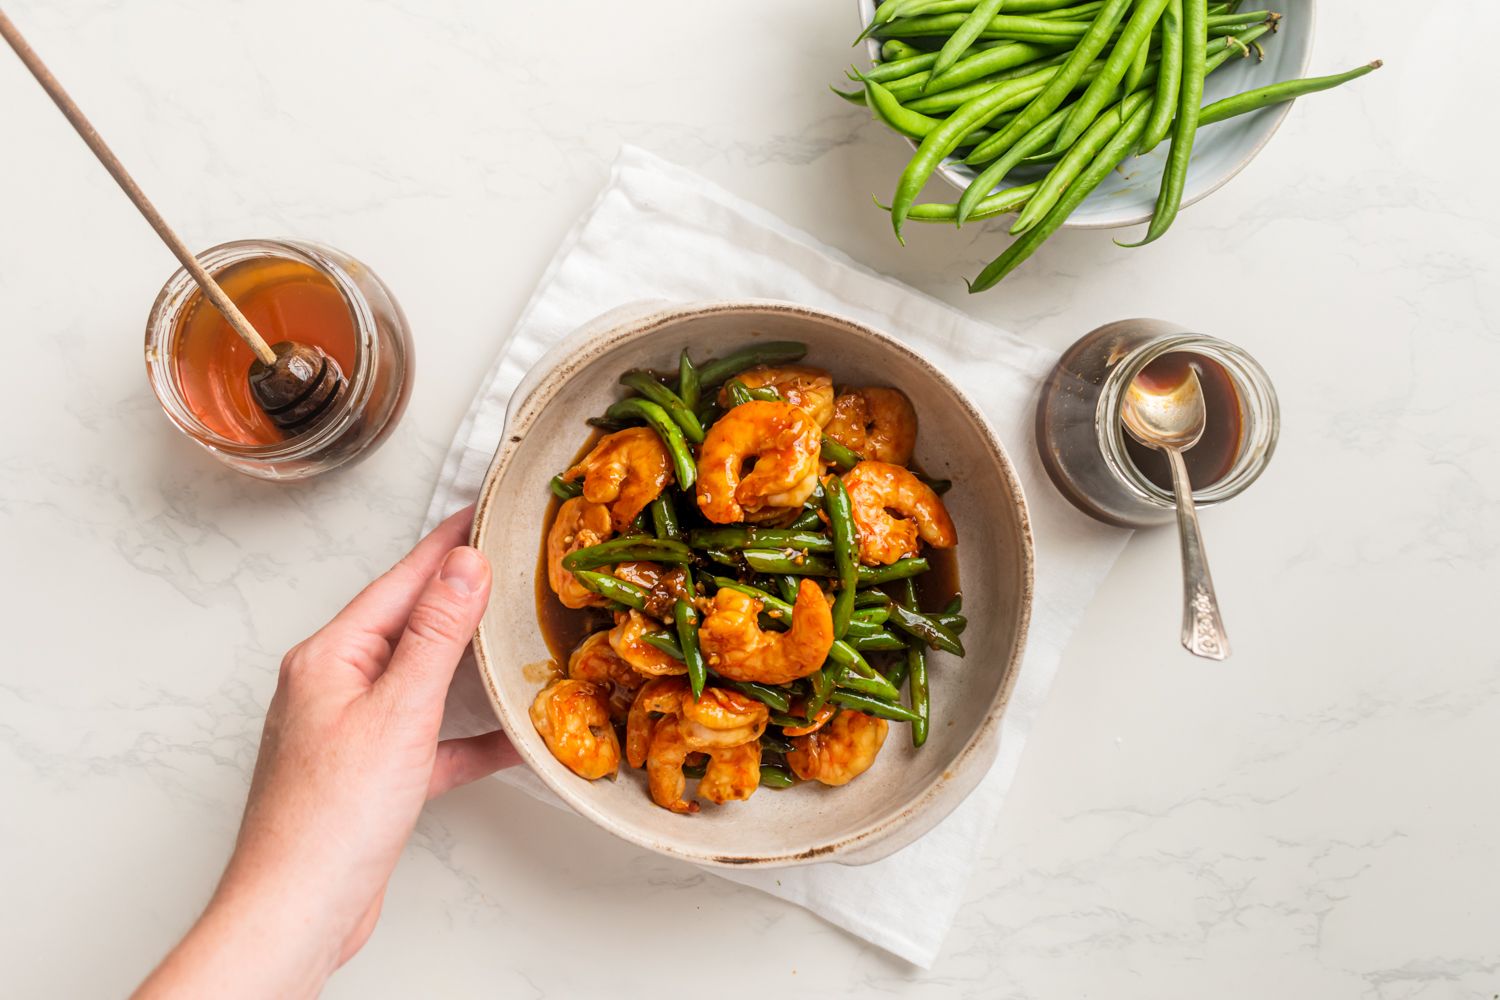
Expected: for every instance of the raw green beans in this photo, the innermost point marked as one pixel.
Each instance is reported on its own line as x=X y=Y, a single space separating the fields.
x=1080 y=154
x=1168 y=78
x=683 y=465
x=629 y=548
x=1101 y=92
x=845 y=549
x=685 y=616
x=647 y=385
x=776 y=352
x=565 y=489
x=958 y=43
x=1276 y=93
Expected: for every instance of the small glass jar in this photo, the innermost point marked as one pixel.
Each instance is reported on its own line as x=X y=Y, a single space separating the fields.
x=379 y=379
x=1082 y=438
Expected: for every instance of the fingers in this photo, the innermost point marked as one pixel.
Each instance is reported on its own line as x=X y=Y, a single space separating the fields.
x=462 y=761
x=438 y=629
x=383 y=607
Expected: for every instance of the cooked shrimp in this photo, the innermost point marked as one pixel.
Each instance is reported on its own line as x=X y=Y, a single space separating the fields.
x=877 y=422
x=573 y=719
x=664 y=762
x=840 y=751
x=808 y=389
x=819 y=719
x=626 y=470
x=892 y=508
x=720 y=718
x=594 y=661
x=736 y=648
x=733 y=774
x=579 y=524
x=625 y=639
x=779 y=440
x=662 y=696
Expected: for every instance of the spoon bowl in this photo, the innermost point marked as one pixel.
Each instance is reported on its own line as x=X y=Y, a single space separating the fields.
x=1164 y=406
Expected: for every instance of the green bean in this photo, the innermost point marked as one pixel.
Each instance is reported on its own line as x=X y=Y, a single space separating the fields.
x=871 y=599
x=786 y=721
x=875 y=706
x=1185 y=127
x=1101 y=92
x=952 y=621
x=769 y=741
x=1080 y=154
x=738 y=392
x=1008 y=26
x=695 y=770
x=772 y=776
x=666 y=642
x=915 y=566
x=806 y=521
x=906 y=594
x=1137 y=69
x=776 y=561
x=685 y=617
x=989 y=150
x=915 y=624
x=621 y=591
x=868 y=680
x=1276 y=93
x=996 y=204
x=872 y=615
x=773 y=697
x=822 y=682
x=1168 y=78
x=880 y=642
x=788 y=586
x=921 y=695
x=958 y=43
x=630 y=548
x=1008 y=57
x=895 y=69
x=897 y=49
x=1081 y=12
x=955 y=604
x=948 y=101
x=1110 y=157
x=842 y=458
x=1066 y=78
x=840 y=513
x=683 y=465
x=750 y=537
x=775 y=352
x=565 y=489
x=862 y=630
x=687 y=381
x=648 y=386
x=664 y=518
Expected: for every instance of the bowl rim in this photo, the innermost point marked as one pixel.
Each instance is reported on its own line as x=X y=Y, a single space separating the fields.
x=1276 y=117
x=566 y=359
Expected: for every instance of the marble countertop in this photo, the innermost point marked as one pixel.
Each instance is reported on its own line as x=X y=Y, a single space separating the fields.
x=1317 y=818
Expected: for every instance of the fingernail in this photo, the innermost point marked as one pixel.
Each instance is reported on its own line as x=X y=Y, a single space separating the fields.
x=464 y=570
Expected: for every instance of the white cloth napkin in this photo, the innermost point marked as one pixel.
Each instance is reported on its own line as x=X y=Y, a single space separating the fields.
x=661 y=232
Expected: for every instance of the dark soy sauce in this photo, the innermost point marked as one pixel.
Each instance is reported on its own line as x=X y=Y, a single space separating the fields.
x=1213 y=456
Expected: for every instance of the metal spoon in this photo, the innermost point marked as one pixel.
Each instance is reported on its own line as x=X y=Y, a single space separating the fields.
x=1164 y=409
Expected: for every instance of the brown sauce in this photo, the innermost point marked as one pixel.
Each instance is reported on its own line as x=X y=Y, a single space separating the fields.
x=1211 y=459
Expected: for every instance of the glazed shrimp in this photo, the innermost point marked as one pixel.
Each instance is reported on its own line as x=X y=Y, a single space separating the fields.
x=579 y=524
x=662 y=696
x=626 y=470
x=736 y=647
x=892 y=508
x=720 y=718
x=840 y=751
x=877 y=422
x=664 y=760
x=779 y=440
x=573 y=719
x=808 y=389
x=596 y=662
x=625 y=639
x=733 y=774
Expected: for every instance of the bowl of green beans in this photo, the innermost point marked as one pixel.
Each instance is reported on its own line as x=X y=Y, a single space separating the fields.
x=918 y=776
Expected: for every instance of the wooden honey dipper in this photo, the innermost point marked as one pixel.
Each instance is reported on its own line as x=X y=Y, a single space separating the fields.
x=294 y=383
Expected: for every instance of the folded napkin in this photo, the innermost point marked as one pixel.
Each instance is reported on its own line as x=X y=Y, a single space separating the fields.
x=661 y=232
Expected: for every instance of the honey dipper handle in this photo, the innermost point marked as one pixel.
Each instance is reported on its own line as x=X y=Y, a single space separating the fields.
x=86 y=131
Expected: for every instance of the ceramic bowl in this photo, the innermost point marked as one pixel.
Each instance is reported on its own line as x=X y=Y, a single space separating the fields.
x=907 y=791
x=1128 y=196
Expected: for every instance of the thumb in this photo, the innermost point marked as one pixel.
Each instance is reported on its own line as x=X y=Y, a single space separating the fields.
x=439 y=628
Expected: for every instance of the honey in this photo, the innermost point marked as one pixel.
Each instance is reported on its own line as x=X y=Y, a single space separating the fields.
x=284 y=300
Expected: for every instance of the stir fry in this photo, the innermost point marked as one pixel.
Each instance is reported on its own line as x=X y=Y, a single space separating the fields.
x=750 y=540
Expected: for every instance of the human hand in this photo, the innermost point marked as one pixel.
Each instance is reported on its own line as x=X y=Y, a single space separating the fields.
x=349 y=754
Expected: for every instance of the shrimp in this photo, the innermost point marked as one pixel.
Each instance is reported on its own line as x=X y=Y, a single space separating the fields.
x=892 y=508
x=877 y=422
x=780 y=441
x=594 y=661
x=808 y=389
x=626 y=470
x=733 y=774
x=573 y=719
x=664 y=760
x=579 y=523
x=720 y=718
x=662 y=696
x=625 y=639
x=840 y=751
x=736 y=648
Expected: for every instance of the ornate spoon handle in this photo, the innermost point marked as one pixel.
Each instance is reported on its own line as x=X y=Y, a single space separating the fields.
x=1202 y=627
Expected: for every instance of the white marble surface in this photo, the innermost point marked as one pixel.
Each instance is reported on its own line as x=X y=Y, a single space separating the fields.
x=1316 y=819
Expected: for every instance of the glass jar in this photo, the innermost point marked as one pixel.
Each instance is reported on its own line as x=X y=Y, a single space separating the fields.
x=379 y=378
x=1082 y=439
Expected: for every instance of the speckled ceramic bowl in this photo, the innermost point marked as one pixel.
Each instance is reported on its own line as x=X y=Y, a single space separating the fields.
x=907 y=791
x=1128 y=196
